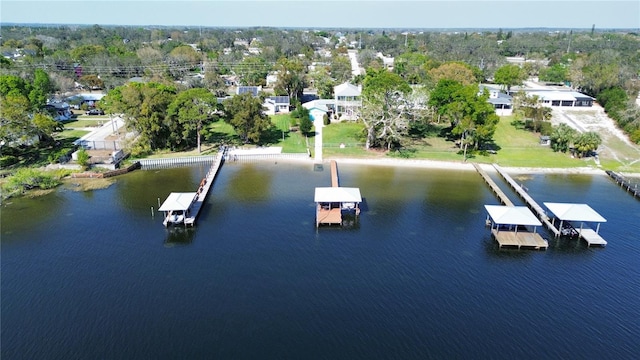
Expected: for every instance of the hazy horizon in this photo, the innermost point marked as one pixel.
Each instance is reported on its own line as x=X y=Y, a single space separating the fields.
x=330 y=14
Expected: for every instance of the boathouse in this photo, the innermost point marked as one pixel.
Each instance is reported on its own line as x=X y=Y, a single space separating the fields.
x=515 y=226
x=582 y=213
x=332 y=201
x=176 y=207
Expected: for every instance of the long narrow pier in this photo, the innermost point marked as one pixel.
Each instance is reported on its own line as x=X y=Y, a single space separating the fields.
x=494 y=187
x=533 y=205
x=334 y=174
x=625 y=184
x=204 y=187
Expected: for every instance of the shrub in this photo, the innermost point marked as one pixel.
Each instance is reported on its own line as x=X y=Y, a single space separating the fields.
x=8 y=160
x=26 y=178
x=83 y=158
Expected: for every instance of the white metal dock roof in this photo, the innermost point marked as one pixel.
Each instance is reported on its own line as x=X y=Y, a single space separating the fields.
x=574 y=212
x=337 y=194
x=512 y=215
x=178 y=201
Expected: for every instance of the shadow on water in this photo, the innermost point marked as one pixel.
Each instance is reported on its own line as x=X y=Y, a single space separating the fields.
x=179 y=236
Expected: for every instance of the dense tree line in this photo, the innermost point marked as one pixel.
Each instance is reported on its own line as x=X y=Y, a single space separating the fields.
x=172 y=108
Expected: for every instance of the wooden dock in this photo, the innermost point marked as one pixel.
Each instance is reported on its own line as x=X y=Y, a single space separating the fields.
x=625 y=184
x=334 y=174
x=332 y=201
x=494 y=187
x=184 y=207
x=592 y=237
x=204 y=187
x=520 y=239
x=532 y=204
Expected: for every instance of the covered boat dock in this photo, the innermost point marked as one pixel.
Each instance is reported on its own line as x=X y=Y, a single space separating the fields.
x=505 y=222
x=177 y=206
x=583 y=213
x=332 y=201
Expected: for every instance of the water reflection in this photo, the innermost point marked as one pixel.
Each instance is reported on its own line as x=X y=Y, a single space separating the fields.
x=250 y=183
x=179 y=236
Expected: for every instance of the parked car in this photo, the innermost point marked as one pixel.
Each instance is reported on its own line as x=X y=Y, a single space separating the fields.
x=95 y=112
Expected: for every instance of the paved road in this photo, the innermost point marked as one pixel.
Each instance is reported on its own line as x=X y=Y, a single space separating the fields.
x=101 y=133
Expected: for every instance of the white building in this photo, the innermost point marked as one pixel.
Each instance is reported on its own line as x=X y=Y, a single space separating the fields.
x=348 y=101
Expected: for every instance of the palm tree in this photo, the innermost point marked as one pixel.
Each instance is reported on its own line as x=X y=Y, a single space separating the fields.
x=587 y=142
x=561 y=137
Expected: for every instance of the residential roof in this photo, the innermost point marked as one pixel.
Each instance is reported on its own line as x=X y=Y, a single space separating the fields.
x=512 y=215
x=320 y=104
x=253 y=90
x=347 y=89
x=574 y=212
x=178 y=201
x=87 y=97
x=279 y=99
x=337 y=194
x=500 y=100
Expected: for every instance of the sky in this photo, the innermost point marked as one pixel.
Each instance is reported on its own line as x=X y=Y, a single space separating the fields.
x=311 y=14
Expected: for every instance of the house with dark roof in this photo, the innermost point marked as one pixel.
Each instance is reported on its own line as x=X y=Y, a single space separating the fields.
x=277 y=105
x=253 y=90
x=502 y=103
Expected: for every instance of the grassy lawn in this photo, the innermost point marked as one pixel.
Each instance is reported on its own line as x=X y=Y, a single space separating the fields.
x=291 y=141
x=521 y=148
x=515 y=147
x=84 y=122
x=70 y=133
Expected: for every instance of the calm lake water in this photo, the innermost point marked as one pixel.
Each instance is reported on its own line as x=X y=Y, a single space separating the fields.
x=90 y=275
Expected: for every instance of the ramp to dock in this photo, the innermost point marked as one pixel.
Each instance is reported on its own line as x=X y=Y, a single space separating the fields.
x=334 y=174
x=533 y=205
x=203 y=188
x=492 y=184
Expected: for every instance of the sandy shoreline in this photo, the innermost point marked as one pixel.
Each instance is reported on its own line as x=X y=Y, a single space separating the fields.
x=452 y=165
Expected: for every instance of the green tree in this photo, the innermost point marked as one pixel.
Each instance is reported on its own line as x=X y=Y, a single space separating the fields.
x=301 y=114
x=91 y=81
x=413 y=67
x=443 y=95
x=192 y=109
x=472 y=118
x=41 y=89
x=144 y=106
x=340 y=68
x=323 y=82
x=291 y=75
x=509 y=75
x=83 y=158
x=16 y=125
x=253 y=71
x=534 y=110
x=587 y=142
x=246 y=114
x=45 y=126
x=385 y=109
x=562 y=137
x=613 y=100
x=456 y=71
x=556 y=73
x=14 y=85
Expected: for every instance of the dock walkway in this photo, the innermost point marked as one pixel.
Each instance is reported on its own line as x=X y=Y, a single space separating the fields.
x=204 y=187
x=492 y=184
x=334 y=174
x=533 y=205
x=625 y=184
